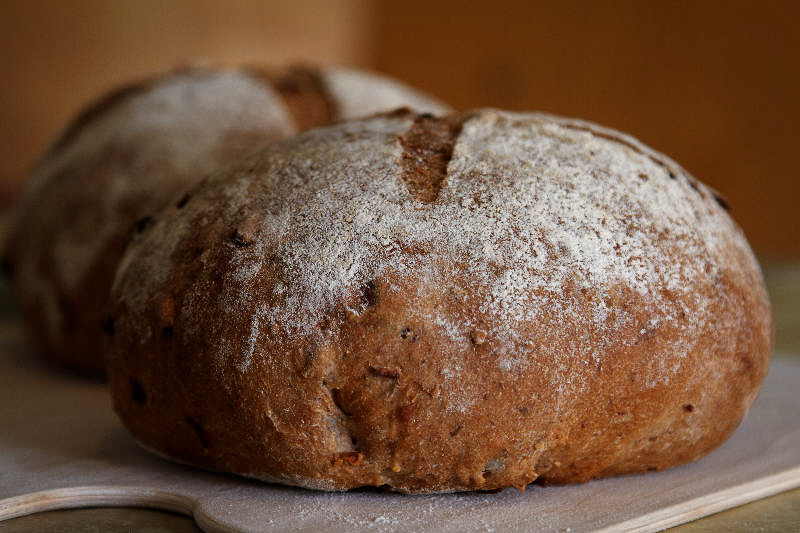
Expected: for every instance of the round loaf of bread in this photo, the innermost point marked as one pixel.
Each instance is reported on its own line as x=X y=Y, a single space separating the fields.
x=440 y=304
x=128 y=153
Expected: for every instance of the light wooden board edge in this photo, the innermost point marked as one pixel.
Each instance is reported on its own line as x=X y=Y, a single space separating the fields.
x=709 y=504
x=199 y=505
x=94 y=496
x=121 y=496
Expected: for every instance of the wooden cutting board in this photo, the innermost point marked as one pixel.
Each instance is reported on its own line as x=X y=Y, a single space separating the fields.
x=62 y=447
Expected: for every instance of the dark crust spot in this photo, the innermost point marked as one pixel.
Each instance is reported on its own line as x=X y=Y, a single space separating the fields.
x=183 y=201
x=408 y=334
x=107 y=325
x=199 y=430
x=239 y=240
x=67 y=312
x=380 y=489
x=168 y=332
x=304 y=93
x=427 y=149
x=689 y=408
x=142 y=223
x=336 y=396
x=721 y=201
x=138 y=395
x=7 y=266
x=370 y=293
x=399 y=112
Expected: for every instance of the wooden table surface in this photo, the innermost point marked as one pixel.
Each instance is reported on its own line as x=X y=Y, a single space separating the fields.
x=776 y=513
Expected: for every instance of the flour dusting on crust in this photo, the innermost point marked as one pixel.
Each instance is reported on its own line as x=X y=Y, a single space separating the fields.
x=531 y=203
x=124 y=156
x=177 y=125
x=566 y=304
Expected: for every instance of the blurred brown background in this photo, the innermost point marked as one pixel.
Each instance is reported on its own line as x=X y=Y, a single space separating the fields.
x=715 y=85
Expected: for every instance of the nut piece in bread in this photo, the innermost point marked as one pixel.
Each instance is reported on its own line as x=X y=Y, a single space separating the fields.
x=122 y=159
x=431 y=304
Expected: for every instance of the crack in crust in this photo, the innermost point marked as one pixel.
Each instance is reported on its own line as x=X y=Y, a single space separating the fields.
x=427 y=149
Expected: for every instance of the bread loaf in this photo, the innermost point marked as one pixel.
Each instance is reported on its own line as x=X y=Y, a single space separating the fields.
x=430 y=304
x=123 y=157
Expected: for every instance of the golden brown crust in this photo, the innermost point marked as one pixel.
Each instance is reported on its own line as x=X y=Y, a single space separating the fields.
x=550 y=314
x=123 y=158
